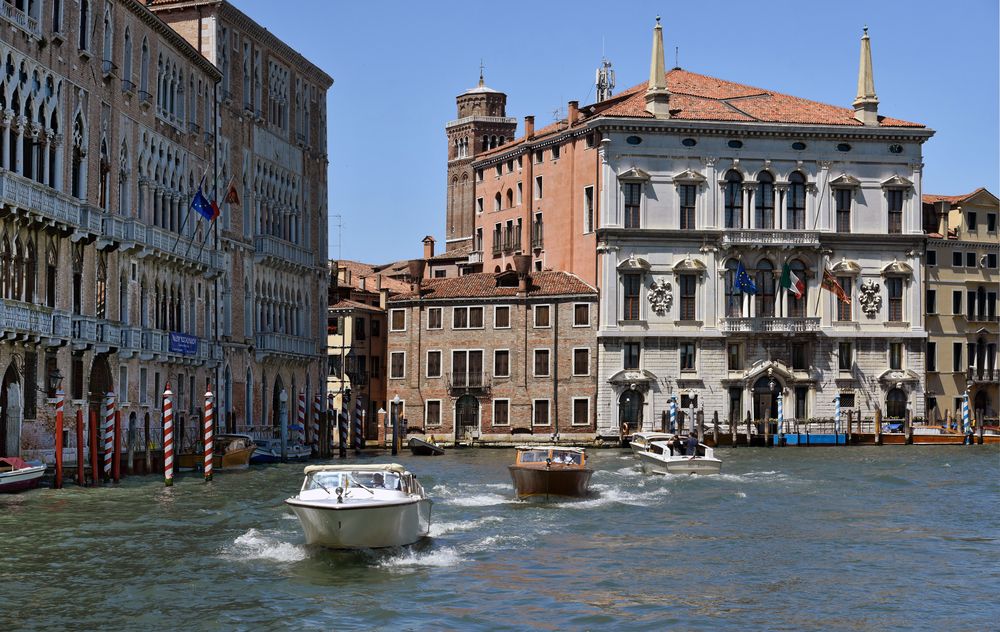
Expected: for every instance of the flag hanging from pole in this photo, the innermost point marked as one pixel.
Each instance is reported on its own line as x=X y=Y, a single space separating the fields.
x=743 y=282
x=207 y=209
x=791 y=282
x=830 y=283
x=232 y=195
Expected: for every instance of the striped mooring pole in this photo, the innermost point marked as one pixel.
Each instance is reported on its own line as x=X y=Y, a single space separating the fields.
x=966 y=423
x=781 y=414
x=60 y=397
x=109 y=433
x=209 y=432
x=331 y=416
x=314 y=422
x=300 y=424
x=836 y=418
x=673 y=414
x=168 y=436
x=358 y=429
x=345 y=420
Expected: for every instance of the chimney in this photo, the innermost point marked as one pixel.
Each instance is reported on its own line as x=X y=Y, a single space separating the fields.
x=415 y=268
x=529 y=127
x=383 y=298
x=428 y=247
x=344 y=275
x=522 y=265
x=573 y=112
x=378 y=282
x=941 y=209
x=866 y=103
x=657 y=95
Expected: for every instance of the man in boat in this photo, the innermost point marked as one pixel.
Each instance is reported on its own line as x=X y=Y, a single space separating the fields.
x=676 y=447
x=692 y=445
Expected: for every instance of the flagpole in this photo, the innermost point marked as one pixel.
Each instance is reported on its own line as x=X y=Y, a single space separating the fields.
x=180 y=231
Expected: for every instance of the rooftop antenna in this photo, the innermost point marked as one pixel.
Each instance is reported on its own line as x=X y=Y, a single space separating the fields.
x=481 y=68
x=677 y=56
x=339 y=223
x=605 y=77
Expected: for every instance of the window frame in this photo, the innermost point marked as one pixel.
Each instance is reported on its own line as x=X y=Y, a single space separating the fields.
x=493 y=411
x=427 y=364
x=534 y=316
x=626 y=346
x=687 y=302
x=573 y=417
x=497 y=308
x=575 y=306
x=895 y=304
x=440 y=318
x=930 y=357
x=440 y=413
x=588 y=209
x=929 y=256
x=631 y=303
x=495 y=352
x=687 y=205
x=392 y=318
x=574 y=350
x=682 y=345
x=548 y=412
x=840 y=356
x=632 y=213
x=392 y=354
x=548 y=361
x=894 y=218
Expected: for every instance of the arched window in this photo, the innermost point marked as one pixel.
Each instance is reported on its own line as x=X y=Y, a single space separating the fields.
x=101 y=290
x=796 y=201
x=510 y=198
x=895 y=404
x=496 y=202
x=734 y=299
x=17 y=271
x=764 y=217
x=734 y=200
x=84 y=25
x=30 y=265
x=144 y=67
x=5 y=263
x=765 y=288
x=108 y=38
x=127 y=59
x=797 y=306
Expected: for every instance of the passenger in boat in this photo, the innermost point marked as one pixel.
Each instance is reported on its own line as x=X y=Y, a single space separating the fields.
x=692 y=445
x=377 y=480
x=676 y=447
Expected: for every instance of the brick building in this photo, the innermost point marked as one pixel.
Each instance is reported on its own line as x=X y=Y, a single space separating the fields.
x=496 y=358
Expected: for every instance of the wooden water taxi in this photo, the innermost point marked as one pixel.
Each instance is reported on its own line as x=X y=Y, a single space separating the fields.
x=550 y=471
x=230 y=452
x=419 y=447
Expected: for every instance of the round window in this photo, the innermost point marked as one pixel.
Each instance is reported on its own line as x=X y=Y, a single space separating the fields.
x=798 y=146
x=633 y=140
x=689 y=142
x=843 y=147
x=895 y=149
x=735 y=144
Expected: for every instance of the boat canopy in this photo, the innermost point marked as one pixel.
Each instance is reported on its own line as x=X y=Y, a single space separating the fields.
x=378 y=467
x=550 y=447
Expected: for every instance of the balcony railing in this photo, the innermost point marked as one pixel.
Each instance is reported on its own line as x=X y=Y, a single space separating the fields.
x=769 y=237
x=476 y=256
x=982 y=376
x=155 y=343
x=127 y=86
x=981 y=318
x=283 y=344
x=33 y=197
x=145 y=98
x=468 y=381
x=769 y=325
x=19 y=18
x=108 y=67
x=91 y=331
x=267 y=246
x=31 y=319
x=537 y=235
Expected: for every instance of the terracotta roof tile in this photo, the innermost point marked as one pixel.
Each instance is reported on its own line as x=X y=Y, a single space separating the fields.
x=349 y=304
x=456 y=253
x=484 y=285
x=954 y=199
x=368 y=271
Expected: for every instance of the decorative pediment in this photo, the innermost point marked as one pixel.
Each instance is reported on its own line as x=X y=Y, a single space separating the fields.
x=899 y=375
x=688 y=264
x=689 y=176
x=897 y=268
x=845 y=180
x=635 y=173
x=897 y=182
x=768 y=367
x=846 y=266
x=634 y=264
x=639 y=379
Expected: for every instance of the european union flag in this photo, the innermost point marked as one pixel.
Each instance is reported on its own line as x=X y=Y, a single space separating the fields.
x=206 y=209
x=743 y=282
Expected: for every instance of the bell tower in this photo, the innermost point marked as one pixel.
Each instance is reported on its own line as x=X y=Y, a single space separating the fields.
x=482 y=125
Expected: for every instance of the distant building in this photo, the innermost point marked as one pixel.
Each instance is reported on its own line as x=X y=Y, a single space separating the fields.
x=963 y=248
x=496 y=358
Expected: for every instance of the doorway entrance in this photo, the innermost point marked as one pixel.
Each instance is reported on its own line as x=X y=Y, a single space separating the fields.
x=10 y=413
x=630 y=410
x=765 y=398
x=466 y=416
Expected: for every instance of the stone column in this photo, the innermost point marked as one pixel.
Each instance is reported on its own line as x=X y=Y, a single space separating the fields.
x=57 y=177
x=17 y=164
x=748 y=206
x=43 y=156
x=780 y=206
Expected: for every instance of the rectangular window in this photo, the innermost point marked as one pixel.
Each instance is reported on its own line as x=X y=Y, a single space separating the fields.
x=499 y=170
x=845 y=356
x=970 y=220
x=956 y=259
x=540 y=413
x=520 y=193
x=501 y=317
x=991 y=222
x=847 y=400
x=397 y=320
x=359 y=328
x=956 y=357
x=799 y=356
x=501 y=412
x=376 y=367
x=143 y=384
x=432 y=412
x=895 y=211
x=991 y=306
x=932 y=257
x=581 y=411
x=633 y=198
x=991 y=261
x=539 y=156
x=501 y=363
x=632 y=284
x=631 y=355
x=581 y=315
x=733 y=362
x=475 y=318
x=122 y=384
x=397 y=362
x=956 y=302
x=460 y=318
x=896 y=355
x=844 y=309
x=541 y=362
x=687 y=350
x=555 y=152
x=894 y=287
x=376 y=328
x=801 y=402
x=581 y=361
x=970 y=260
x=843 y=201
x=970 y=305
x=931 y=301
x=931 y=357
x=538 y=187
x=434 y=318
x=588 y=209
x=542 y=316
x=687 y=199
x=479 y=205
x=688 y=285
x=433 y=364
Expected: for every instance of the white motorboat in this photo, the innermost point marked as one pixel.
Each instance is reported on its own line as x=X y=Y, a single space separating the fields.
x=639 y=441
x=361 y=506
x=269 y=451
x=665 y=457
x=17 y=475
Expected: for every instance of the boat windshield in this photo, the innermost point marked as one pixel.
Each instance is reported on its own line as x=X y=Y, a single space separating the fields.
x=534 y=456
x=346 y=480
x=568 y=458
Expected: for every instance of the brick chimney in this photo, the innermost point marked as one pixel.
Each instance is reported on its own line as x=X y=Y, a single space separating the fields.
x=415 y=269
x=364 y=283
x=522 y=265
x=573 y=112
x=428 y=247
x=529 y=127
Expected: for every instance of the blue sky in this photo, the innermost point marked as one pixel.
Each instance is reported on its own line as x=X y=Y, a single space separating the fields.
x=398 y=66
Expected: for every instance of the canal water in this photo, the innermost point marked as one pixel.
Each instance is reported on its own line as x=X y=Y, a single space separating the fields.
x=785 y=539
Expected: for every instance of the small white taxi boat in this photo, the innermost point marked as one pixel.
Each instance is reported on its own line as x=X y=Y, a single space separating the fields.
x=665 y=457
x=639 y=441
x=361 y=506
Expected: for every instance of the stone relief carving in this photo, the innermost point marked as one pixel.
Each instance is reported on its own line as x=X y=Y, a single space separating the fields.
x=870 y=298
x=660 y=297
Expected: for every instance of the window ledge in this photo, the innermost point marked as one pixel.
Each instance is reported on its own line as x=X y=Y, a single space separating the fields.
x=897 y=324
x=84 y=54
x=637 y=323
x=689 y=323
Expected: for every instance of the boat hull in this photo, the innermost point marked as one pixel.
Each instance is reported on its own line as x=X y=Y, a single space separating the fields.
x=367 y=527
x=419 y=447
x=22 y=479
x=679 y=465
x=235 y=460
x=554 y=481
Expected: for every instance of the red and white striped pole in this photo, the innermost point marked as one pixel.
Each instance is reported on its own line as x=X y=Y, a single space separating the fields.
x=60 y=397
x=109 y=433
x=209 y=432
x=168 y=436
x=314 y=425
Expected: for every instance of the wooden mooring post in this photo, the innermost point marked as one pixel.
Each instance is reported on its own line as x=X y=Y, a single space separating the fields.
x=767 y=433
x=878 y=426
x=908 y=428
x=715 y=428
x=980 y=422
x=748 y=429
x=850 y=425
x=700 y=416
x=81 y=457
x=95 y=462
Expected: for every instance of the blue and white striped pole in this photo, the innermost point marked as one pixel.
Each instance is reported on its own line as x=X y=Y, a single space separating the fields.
x=781 y=415
x=836 y=417
x=673 y=414
x=966 y=425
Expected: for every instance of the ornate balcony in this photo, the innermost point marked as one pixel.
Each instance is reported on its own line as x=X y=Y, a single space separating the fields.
x=769 y=325
x=468 y=382
x=281 y=253
x=90 y=332
x=986 y=375
x=27 y=197
x=476 y=256
x=153 y=240
x=150 y=344
x=273 y=344
x=769 y=237
x=19 y=18
x=29 y=321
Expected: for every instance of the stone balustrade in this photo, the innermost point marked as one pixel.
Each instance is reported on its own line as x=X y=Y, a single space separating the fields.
x=769 y=325
x=769 y=237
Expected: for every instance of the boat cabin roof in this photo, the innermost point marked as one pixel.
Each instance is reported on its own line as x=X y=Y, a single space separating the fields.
x=377 y=467
x=546 y=448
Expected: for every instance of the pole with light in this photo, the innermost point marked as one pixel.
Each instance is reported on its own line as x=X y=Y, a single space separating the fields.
x=394 y=413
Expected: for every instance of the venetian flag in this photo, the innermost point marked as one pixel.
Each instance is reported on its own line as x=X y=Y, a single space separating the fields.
x=791 y=282
x=830 y=283
x=232 y=195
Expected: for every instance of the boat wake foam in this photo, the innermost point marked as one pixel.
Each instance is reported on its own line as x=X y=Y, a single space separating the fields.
x=460 y=498
x=609 y=494
x=442 y=557
x=255 y=545
x=442 y=528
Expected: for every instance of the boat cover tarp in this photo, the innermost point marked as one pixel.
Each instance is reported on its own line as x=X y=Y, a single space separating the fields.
x=15 y=462
x=379 y=467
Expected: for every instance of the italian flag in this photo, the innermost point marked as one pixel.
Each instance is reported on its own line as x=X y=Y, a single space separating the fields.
x=792 y=283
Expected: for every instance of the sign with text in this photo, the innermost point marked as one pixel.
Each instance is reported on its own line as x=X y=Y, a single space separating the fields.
x=183 y=343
